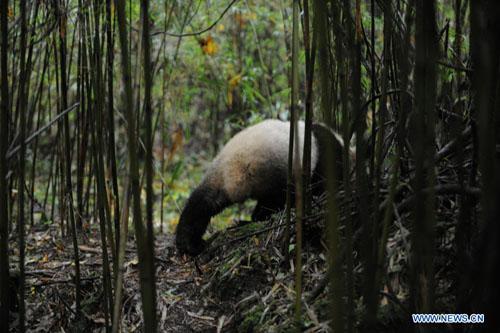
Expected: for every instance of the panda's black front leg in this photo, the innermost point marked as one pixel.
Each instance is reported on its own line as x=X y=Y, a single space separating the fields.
x=260 y=213
x=265 y=209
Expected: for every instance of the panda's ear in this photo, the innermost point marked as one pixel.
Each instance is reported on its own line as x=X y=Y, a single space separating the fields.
x=327 y=136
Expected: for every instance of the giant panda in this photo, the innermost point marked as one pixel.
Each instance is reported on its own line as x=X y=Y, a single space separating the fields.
x=252 y=165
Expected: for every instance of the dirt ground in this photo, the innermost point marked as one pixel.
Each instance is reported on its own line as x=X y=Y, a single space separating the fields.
x=236 y=286
x=50 y=299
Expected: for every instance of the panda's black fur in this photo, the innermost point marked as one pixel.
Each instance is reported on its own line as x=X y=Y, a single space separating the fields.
x=252 y=165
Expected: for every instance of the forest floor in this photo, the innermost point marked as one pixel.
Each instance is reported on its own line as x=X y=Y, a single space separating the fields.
x=239 y=284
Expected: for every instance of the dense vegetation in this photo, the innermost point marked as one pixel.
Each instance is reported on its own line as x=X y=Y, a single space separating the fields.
x=111 y=111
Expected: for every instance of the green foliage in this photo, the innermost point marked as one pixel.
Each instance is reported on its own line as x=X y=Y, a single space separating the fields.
x=249 y=42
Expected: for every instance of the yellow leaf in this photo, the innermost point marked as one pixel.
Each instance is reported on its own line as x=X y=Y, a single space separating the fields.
x=45 y=258
x=177 y=139
x=208 y=45
x=221 y=27
x=230 y=97
x=251 y=16
x=210 y=48
x=234 y=81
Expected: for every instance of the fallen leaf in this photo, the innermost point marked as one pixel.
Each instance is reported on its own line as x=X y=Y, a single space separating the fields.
x=45 y=258
x=85 y=248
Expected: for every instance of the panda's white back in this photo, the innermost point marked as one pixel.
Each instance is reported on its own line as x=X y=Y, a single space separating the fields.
x=254 y=163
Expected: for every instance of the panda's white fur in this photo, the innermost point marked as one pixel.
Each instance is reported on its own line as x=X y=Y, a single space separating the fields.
x=253 y=164
x=243 y=167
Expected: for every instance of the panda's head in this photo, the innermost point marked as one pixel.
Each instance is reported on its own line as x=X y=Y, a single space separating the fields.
x=194 y=219
x=189 y=243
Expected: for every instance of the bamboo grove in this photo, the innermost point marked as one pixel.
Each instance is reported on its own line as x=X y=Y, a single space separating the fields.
x=87 y=89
